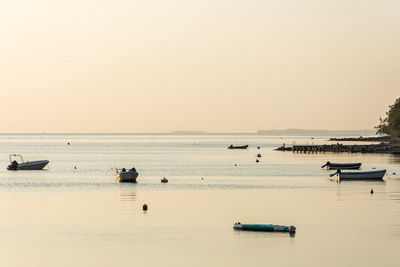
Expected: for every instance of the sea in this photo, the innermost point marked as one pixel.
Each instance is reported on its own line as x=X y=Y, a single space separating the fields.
x=73 y=213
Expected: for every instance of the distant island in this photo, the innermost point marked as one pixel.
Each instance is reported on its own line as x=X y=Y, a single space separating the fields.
x=188 y=132
x=318 y=132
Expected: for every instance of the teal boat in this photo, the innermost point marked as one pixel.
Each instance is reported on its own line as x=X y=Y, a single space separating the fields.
x=264 y=227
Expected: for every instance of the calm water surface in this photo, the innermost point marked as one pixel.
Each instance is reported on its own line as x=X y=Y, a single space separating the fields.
x=79 y=217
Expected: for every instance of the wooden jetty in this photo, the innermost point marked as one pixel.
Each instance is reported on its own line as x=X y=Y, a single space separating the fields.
x=316 y=148
x=340 y=148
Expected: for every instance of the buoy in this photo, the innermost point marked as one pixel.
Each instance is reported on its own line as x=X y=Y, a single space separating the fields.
x=235 y=164
x=68 y=143
x=372 y=191
x=144 y=206
x=202 y=178
x=258 y=155
x=74 y=167
x=257 y=160
x=258 y=147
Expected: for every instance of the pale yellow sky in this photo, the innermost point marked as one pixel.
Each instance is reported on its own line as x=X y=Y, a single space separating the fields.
x=218 y=66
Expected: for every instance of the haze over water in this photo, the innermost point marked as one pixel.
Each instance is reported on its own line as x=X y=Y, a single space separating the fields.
x=79 y=217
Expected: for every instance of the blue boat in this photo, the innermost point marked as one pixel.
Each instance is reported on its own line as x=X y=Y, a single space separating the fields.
x=354 y=175
x=238 y=147
x=264 y=227
x=343 y=166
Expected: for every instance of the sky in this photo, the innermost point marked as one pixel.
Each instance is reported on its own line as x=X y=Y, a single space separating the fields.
x=217 y=66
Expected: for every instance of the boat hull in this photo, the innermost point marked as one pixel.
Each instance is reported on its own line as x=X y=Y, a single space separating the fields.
x=238 y=147
x=348 y=166
x=126 y=177
x=370 y=175
x=32 y=165
x=264 y=227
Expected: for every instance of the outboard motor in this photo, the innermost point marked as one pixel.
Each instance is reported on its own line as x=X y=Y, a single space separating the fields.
x=13 y=166
x=328 y=163
x=337 y=172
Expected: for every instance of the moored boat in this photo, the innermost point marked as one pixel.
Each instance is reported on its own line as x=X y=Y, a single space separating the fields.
x=238 y=147
x=368 y=175
x=17 y=162
x=264 y=227
x=124 y=176
x=343 y=166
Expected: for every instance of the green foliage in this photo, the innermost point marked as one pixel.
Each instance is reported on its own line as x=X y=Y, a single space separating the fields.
x=391 y=124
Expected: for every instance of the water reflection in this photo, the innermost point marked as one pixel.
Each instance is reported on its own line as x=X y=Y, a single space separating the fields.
x=371 y=181
x=128 y=196
x=260 y=234
x=394 y=159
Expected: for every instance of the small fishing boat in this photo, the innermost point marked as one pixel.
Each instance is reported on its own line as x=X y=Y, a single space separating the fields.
x=369 y=175
x=164 y=180
x=264 y=227
x=347 y=166
x=124 y=176
x=17 y=162
x=238 y=147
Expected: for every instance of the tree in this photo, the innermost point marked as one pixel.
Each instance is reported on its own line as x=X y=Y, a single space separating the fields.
x=391 y=124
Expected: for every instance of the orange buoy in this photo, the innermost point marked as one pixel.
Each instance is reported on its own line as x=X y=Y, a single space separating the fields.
x=145 y=207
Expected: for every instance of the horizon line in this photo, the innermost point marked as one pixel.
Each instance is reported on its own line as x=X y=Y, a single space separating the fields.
x=193 y=132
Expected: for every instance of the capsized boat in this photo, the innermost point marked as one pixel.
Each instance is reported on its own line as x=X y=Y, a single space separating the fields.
x=368 y=175
x=17 y=162
x=124 y=176
x=347 y=166
x=238 y=147
x=264 y=227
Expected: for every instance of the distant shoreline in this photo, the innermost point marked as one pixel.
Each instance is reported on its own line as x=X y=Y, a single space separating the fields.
x=364 y=139
x=319 y=132
x=188 y=132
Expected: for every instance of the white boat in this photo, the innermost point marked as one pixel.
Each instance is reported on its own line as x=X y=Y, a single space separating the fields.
x=17 y=162
x=368 y=175
x=124 y=176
